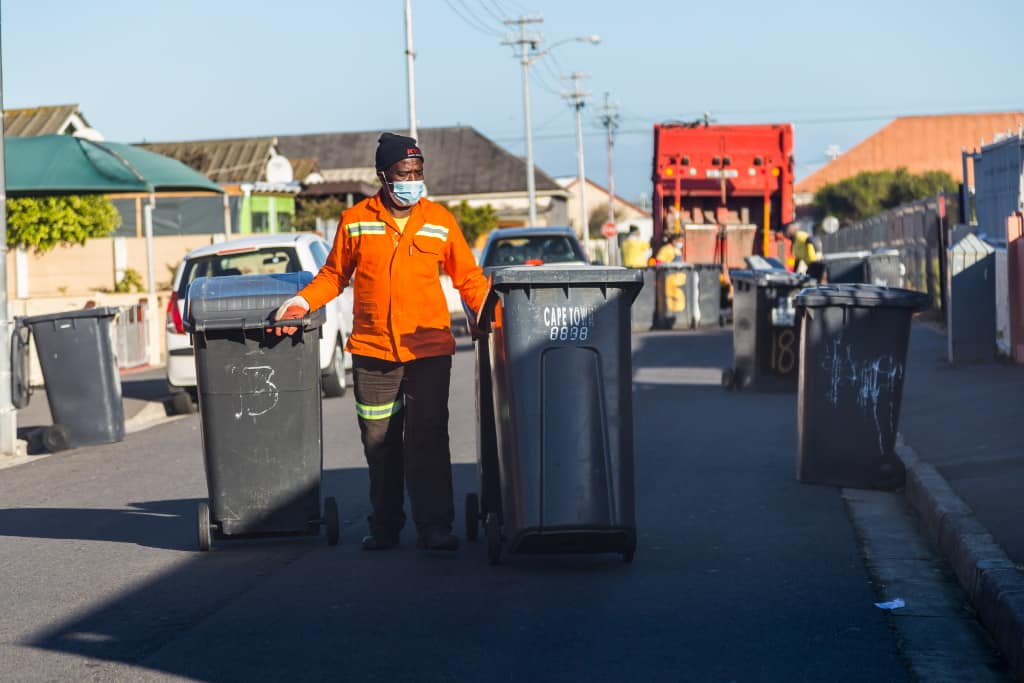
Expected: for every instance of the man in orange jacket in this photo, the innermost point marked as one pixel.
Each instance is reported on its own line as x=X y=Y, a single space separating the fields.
x=392 y=247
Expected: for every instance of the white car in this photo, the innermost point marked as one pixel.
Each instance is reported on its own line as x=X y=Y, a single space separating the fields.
x=277 y=253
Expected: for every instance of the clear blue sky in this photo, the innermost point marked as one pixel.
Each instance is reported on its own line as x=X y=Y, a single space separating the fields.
x=188 y=69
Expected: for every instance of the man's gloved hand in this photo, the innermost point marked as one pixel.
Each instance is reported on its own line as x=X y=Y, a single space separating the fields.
x=295 y=308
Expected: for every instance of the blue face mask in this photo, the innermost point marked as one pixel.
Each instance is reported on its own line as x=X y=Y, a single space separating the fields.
x=408 y=192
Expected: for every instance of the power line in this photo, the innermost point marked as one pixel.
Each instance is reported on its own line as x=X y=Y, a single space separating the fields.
x=497 y=17
x=472 y=14
x=484 y=30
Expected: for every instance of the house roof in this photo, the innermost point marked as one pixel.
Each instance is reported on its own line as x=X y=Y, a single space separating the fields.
x=569 y=182
x=34 y=121
x=459 y=159
x=304 y=166
x=222 y=161
x=918 y=143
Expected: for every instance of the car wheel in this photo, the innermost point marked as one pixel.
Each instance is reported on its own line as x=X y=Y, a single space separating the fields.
x=334 y=381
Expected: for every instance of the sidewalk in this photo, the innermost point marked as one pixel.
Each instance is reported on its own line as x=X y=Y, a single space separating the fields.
x=963 y=444
x=969 y=423
x=143 y=392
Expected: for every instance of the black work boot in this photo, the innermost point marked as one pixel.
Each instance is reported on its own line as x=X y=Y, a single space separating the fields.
x=379 y=540
x=438 y=539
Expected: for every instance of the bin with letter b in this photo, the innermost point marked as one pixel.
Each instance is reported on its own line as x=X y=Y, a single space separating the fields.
x=260 y=410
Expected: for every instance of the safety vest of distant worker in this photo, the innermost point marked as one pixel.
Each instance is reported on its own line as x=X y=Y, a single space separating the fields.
x=804 y=253
x=634 y=250
x=400 y=312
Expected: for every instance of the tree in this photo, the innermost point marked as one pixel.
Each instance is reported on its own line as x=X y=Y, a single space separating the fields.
x=41 y=223
x=308 y=210
x=474 y=220
x=872 y=192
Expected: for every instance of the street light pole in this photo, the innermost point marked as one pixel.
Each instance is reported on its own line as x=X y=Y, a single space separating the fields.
x=577 y=99
x=410 y=57
x=526 y=44
x=8 y=416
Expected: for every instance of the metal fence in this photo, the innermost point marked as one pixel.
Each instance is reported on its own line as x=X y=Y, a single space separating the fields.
x=130 y=335
x=916 y=230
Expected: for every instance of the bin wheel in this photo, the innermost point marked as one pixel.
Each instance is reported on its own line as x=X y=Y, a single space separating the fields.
x=472 y=517
x=728 y=379
x=493 y=529
x=182 y=404
x=630 y=547
x=55 y=438
x=203 y=526
x=331 y=520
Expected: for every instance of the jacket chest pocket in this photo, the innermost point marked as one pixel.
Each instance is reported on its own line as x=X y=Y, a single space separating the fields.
x=426 y=249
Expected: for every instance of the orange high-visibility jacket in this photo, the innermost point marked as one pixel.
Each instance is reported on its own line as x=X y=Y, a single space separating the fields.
x=399 y=309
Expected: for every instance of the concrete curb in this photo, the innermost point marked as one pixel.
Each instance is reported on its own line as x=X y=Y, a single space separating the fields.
x=993 y=583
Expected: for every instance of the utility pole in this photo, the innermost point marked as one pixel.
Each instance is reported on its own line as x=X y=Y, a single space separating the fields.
x=527 y=42
x=8 y=416
x=410 y=76
x=577 y=99
x=610 y=121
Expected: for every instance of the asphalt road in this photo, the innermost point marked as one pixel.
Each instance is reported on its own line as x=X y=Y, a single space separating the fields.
x=741 y=574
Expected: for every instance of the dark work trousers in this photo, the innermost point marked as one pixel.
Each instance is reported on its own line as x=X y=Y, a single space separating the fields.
x=403 y=419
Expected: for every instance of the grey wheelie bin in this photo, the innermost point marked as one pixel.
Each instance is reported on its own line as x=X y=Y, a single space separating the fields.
x=556 y=459
x=852 y=365
x=642 y=313
x=260 y=410
x=764 y=334
x=687 y=296
x=83 y=386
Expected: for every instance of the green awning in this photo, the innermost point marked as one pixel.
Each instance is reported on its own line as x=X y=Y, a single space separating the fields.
x=62 y=164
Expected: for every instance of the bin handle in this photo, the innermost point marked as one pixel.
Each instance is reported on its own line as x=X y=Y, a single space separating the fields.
x=486 y=314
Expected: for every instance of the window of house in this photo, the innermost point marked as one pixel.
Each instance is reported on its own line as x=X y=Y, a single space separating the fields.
x=284 y=222
x=260 y=221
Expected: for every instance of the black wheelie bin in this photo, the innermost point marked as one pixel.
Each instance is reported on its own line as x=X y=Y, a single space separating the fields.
x=260 y=410
x=764 y=333
x=556 y=459
x=83 y=385
x=853 y=358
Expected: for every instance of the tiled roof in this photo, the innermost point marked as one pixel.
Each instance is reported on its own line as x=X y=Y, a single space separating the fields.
x=919 y=143
x=459 y=159
x=51 y=120
x=236 y=160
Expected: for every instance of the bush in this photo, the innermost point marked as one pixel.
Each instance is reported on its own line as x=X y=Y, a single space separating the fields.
x=42 y=223
x=872 y=192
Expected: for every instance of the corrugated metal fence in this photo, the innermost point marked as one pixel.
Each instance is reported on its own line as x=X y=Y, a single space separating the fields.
x=915 y=230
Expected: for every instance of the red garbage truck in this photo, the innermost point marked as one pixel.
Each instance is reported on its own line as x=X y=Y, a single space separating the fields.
x=727 y=188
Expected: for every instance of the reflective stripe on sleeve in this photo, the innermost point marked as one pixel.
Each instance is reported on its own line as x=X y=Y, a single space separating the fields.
x=380 y=412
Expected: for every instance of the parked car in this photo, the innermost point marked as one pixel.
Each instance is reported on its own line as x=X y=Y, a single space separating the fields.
x=278 y=253
x=532 y=247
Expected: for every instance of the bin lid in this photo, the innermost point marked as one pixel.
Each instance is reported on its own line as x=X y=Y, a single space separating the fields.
x=862 y=295
x=767 y=278
x=242 y=301
x=583 y=276
x=95 y=312
x=843 y=255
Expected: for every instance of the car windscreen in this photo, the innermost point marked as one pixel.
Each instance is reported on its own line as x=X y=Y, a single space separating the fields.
x=517 y=251
x=268 y=260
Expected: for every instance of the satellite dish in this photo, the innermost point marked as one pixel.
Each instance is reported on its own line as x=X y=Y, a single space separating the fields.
x=279 y=170
x=830 y=225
